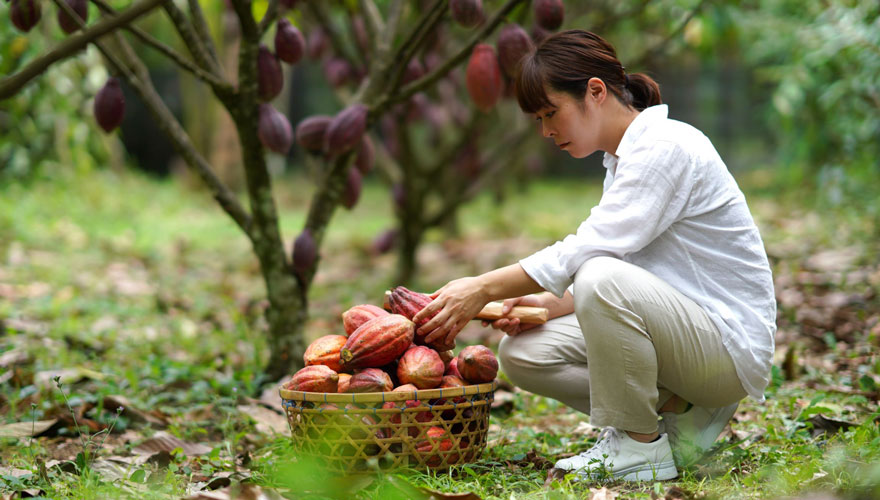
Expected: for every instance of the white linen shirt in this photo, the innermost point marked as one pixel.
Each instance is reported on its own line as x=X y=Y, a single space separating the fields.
x=670 y=206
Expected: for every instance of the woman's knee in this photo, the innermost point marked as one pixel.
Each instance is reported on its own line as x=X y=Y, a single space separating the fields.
x=596 y=279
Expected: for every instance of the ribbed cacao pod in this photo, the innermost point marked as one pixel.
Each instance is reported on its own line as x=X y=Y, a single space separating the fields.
x=289 y=42
x=270 y=79
x=325 y=351
x=345 y=130
x=310 y=132
x=304 y=252
x=467 y=13
x=67 y=23
x=407 y=303
x=338 y=72
x=365 y=155
x=109 y=105
x=315 y=378
x=356 y=316
x=549 y=14
x=451 y=382
x=344 y=379
x=477 y=364
x=395 y=418
x=483 y=77
x=352 y=192
x=384 y=243
x=25 y=14
x=513 y=44
x=422 y=367
x=437 y=441
x=274 y=130
x=452 y=369
x=378 y=342
x=446 y=357
x=370 y=380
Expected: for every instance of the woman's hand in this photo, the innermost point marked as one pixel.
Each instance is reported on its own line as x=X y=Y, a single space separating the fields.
x=513 y=326
x=455 y=304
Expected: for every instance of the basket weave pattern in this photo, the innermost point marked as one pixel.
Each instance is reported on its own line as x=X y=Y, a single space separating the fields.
x=388 y=430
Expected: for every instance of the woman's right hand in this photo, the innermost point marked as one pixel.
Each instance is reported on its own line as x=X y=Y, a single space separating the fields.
x=513 y=326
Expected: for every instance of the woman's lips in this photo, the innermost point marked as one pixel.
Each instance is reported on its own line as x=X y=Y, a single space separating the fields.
x=562 y=146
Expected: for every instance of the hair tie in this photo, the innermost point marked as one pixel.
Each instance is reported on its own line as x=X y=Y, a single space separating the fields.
x=626 y=80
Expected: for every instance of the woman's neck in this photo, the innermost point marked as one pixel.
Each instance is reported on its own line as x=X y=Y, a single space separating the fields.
x=620 y=117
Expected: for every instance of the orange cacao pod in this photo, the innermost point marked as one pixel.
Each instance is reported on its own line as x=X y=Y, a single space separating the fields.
x=477 y=364
x=370 y=380
x=315 y=378
x=395 y=418
x=356 y=316
x=325 y=351
x=342 y=386
x=513 y=44
x=438 y=440
x=483 y=77
x=549 y=14
x=378 y=342
x=420 y=366
x=310 y=132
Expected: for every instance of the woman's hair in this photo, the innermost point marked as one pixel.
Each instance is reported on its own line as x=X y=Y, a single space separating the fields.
x=565 y=62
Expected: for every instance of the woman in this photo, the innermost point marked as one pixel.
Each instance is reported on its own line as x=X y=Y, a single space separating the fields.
x=662 y=301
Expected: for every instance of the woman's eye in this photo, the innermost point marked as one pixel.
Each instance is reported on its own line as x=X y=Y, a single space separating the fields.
x=550 y=114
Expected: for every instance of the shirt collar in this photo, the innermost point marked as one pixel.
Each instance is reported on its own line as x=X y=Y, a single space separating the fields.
x=636 y=129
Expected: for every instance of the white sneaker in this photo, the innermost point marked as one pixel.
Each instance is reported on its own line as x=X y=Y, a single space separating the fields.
x=693 y=432
x=618 y=456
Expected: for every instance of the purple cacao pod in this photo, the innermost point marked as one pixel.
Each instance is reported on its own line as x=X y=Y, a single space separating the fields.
x=467 y=13
x=25 y=14
x=414 y=71
x=289 y=42
x=287 y=4
x=269 y=76
x=274 y=130
x=549 y=14
x=398 y=194
x=109 y=105
x=513 y=44
x=310 y=132
x=346 y=130
x=338 y=72
x=353 y=185
x=384 y=242
x=68 y=23
x=365 y=156
x=304 y=252
x=317 y=43
x=483 y=77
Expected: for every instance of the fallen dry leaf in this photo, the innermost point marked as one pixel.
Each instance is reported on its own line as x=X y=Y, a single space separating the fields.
x=13 y=471
x=129 y=410
x=603 y=493
x=268 y=421
x=554 y=474
x=439 y=495
x=162 y=441
x=237 y=492
x=26 y=429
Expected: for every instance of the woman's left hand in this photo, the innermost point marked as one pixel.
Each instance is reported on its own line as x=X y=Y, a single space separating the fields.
x=455 y=304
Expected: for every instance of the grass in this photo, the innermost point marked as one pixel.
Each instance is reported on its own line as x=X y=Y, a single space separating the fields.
x=125 y=285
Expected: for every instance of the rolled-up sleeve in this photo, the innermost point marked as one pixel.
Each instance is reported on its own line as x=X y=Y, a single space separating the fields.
x=648 y=193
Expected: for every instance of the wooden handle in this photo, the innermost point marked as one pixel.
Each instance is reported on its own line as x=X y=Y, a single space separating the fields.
x=492 y=311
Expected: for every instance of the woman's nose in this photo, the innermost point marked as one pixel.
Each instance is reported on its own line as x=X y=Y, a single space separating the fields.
x=546 y=130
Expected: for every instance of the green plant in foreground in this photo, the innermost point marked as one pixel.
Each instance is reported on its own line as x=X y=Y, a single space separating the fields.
x=85 y=457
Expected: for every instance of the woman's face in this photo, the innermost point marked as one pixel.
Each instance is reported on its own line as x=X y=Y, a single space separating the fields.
x=574 y=126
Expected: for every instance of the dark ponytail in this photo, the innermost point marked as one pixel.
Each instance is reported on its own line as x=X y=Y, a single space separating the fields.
x=566 y=61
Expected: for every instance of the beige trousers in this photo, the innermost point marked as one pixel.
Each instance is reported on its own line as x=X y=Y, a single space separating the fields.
x=632 y=343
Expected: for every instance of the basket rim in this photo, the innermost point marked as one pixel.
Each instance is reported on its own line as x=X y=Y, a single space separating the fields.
x=376 y=397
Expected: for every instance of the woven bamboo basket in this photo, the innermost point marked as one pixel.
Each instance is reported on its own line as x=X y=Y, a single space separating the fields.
x=434 y=428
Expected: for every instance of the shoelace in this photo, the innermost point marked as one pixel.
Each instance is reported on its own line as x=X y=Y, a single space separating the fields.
x=608 y=443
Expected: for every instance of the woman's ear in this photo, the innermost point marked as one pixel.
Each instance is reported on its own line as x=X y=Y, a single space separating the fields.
x=596 y=90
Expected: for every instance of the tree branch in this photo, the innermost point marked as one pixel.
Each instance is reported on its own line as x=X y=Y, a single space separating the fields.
x=317 y=11
x=653 y=51
x=249 y=28
x=372 y=21
x=191 y=39
x=271 y=15
x=414 y=41
x=204 y=32
x=10 y=85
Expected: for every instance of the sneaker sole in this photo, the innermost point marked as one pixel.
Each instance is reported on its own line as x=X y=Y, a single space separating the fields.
x=646 y=472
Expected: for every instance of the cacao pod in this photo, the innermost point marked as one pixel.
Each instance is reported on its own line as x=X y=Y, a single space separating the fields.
x=310 y=132
x=338 y=72
x=398 y=194
x=378 y=342
x=67 y=23
x=414 y=71
x=342 y=386
x=513 y=44
x=287 y=4
x=370 y=380
x=356 y=316
x=549 y=14
x=446 y=356
x=452 y=368
x=450 y=382
x=317 y=43
x=437 y=441
x=304 y=252
x=477 y=364
x=315 y=378
x=345 y=130
x=270 y=79
x=422 y=367
x=273 y=129
x=539 y=34
x=395 y=418
x=325 y=351
x=467 y=13
x=483 y=77
x=289 y=42
x=25 y=14
x=109 y=106
x=384 y=243
x=408 y=303
x=352 y=191
x=365 y=155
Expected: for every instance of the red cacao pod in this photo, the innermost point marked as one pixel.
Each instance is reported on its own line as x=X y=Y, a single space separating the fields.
x=438 y=440
x=549 y=14
x=365 y=155
x=315 y=378
x=513 y=44
x=477 y=364
x=395 y=418
x=310 y=132
x=452 y=369
x=446 y=356
x=406 y=302
x=274 y=130
x=344 y=379
x=270 y=79
x=422 y=367
x=370 y=380
x=450 y=381
x=110 y=105
x=483 y=77
x=338 y=72
x=384 y=243
x=304 y=252
x=356 y=316
x=378 y=342
x=467 y=13
x=325 y=351
x=68 y=23
x=353 y=184
x=25 y=14
x=345 y=130
x=289 y=42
